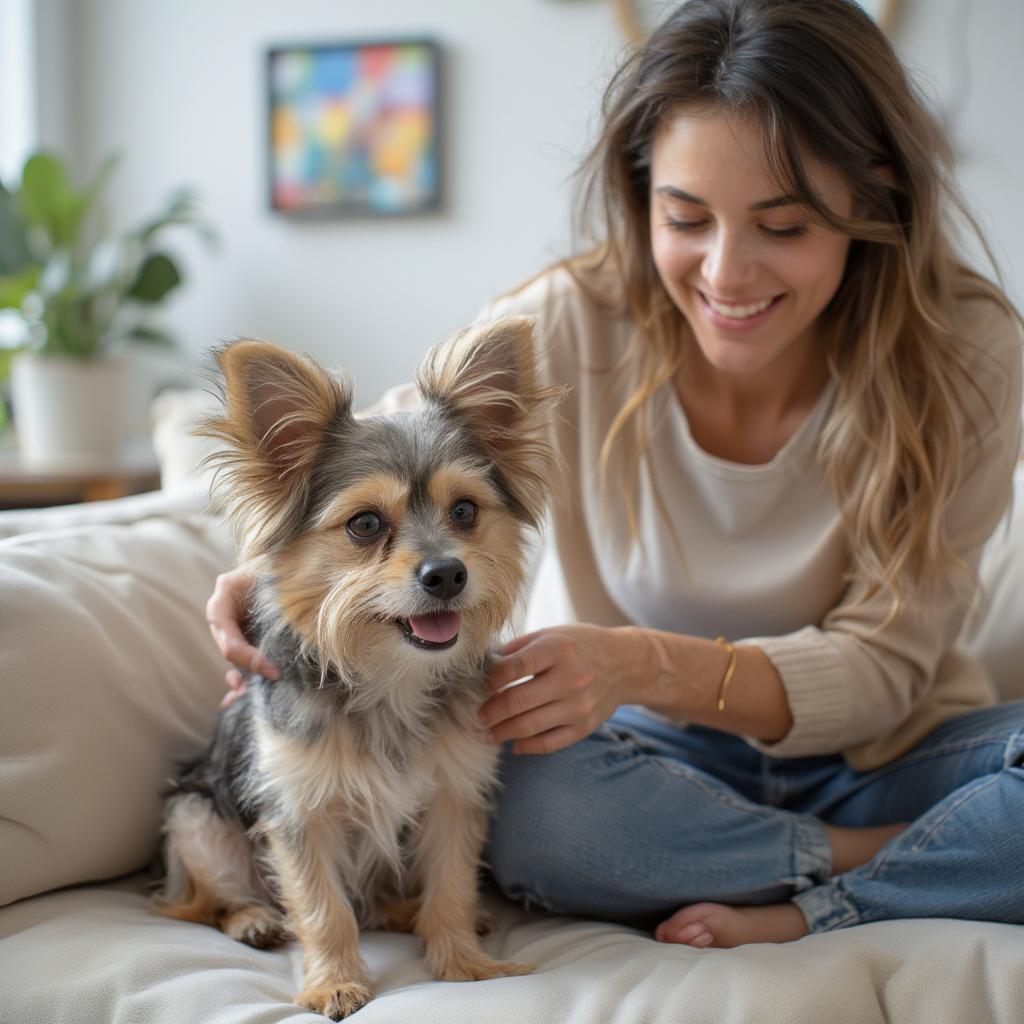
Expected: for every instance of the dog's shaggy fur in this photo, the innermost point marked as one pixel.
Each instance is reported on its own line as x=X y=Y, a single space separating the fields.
x=387 y=553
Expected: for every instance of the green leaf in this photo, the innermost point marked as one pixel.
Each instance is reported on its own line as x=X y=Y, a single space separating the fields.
x=14 y=287
x=6 y=356
x=182 y=207
x=69 y=330
x=103 y=176
x=48 y=199
x=45 y=189
x=157 y=276
x=14 y=250
x=152 y=336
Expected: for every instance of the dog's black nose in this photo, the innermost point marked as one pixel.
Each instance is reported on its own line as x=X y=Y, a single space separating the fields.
x=443 y=577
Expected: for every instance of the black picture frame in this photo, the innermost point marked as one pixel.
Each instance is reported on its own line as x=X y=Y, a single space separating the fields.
x=354 y=128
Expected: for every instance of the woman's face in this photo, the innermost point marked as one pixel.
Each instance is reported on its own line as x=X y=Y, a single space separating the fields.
x=750 y=271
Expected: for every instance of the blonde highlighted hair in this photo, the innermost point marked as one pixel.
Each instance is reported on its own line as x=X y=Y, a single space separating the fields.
x=822 y=82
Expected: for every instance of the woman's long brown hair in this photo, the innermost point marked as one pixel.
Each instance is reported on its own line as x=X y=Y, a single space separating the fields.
x=822 y=81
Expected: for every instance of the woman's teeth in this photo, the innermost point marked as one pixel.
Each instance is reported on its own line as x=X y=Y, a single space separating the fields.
x=739 y=312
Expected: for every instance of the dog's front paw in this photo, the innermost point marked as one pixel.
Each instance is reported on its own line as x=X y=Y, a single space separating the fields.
x=475 y=965
x=335 y=1001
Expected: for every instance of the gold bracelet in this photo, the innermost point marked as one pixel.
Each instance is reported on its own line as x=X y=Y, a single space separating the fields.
x=728 y=672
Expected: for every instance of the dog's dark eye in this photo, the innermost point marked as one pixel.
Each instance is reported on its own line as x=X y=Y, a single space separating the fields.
x=464 y=513
x=365 y=526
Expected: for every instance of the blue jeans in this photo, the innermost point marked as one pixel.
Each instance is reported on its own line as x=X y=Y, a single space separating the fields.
x=643 y=817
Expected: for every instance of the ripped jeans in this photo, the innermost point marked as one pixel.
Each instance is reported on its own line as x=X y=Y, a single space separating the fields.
x=643 y=817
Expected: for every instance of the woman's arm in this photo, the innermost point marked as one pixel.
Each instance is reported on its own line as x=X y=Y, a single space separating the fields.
x=582 y=673
x=683 y=678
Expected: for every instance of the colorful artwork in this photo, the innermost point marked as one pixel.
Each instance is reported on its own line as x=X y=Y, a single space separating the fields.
x=354 y=128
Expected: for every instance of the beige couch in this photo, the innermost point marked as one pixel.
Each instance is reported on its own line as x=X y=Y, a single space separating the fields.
x=107 y=668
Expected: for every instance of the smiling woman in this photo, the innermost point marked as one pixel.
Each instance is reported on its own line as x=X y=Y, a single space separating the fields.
x=805 y=407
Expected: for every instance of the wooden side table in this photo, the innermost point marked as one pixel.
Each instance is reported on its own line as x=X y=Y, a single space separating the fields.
x=21 y=486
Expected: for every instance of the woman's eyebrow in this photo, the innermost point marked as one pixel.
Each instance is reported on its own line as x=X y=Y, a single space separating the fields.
x=765 y=204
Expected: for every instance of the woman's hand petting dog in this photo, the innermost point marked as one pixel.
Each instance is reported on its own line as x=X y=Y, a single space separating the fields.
x=580 y=676
x=225 y=612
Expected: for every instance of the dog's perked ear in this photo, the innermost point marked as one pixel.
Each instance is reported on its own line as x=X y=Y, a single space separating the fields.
x=487 y=376
x=278 y=408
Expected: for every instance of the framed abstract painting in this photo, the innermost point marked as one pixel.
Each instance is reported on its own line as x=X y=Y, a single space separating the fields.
x=354 y=128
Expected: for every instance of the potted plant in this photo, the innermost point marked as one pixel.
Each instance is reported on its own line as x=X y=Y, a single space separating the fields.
x=75 y=297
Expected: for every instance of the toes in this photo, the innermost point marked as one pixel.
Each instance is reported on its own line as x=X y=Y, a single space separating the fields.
x=682 y=917
x=335 y=1001
x=690 y=926
x=694 y=935
x=697 y=934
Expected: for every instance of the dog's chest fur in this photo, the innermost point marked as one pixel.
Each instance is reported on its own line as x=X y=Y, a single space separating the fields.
x=359 y=781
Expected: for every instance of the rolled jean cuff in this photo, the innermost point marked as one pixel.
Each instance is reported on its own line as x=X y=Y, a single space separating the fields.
x=812 y=855
x=826 y=907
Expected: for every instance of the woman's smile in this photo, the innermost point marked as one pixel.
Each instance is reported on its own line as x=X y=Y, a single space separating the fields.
x=740 y=317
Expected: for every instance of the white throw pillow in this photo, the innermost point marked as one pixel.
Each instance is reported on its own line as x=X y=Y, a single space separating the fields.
x=107 y=667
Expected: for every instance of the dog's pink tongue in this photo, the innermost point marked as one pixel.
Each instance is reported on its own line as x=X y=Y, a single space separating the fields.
x=437 y=628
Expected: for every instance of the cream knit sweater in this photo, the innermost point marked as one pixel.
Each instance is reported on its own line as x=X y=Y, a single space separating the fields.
x=761 y=552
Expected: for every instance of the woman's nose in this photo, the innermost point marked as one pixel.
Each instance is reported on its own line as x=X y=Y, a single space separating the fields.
x=728 y=267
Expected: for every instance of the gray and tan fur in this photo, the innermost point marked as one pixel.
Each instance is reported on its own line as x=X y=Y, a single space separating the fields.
x=354 y=792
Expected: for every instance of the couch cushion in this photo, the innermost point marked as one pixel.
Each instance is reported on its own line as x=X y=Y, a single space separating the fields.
x=118 y=511
x=99 y=954
x=107 y=668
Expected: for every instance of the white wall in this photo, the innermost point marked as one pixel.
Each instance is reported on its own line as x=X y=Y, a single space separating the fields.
x=18 y=113
x=178 y=86
x=966 y=54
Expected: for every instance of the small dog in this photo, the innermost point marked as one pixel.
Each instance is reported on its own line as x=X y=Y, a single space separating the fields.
x=387 y=553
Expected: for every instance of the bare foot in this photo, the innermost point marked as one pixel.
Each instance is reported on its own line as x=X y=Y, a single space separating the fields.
x=852 y=847
x=715 y=924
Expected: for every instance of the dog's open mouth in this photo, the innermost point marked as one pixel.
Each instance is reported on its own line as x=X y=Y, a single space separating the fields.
x=435 y=632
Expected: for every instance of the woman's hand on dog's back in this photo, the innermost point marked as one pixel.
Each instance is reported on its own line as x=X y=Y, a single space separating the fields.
x=225 y=612
x=581 y=674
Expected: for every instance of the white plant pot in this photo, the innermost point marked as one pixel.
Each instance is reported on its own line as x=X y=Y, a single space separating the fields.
x=68 y=413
